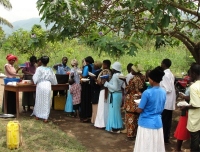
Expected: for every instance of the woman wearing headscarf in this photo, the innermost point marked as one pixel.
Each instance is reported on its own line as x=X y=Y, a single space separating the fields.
x=86 y=106
x=44 y=77
x=150 y=131
x=114 y=122
x=133 y=91
x=73 y=75
x=11 y=72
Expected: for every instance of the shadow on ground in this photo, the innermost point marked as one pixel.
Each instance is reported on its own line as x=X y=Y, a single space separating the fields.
x=99 y=140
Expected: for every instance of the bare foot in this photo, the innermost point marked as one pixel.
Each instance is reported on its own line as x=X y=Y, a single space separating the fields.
x=45 y=121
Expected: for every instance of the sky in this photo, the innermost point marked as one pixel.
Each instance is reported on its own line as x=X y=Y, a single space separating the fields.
x=21 y=9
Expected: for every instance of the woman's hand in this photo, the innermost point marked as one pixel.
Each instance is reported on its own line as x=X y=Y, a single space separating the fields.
x=181 y=95
x=93 y=77
x=183 y=107
x=19 y=69
x=20 y=76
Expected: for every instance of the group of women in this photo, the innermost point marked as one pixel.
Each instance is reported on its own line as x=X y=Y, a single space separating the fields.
x=108 y=87
x=101 y=95
x=43 y=76
x=103 y=92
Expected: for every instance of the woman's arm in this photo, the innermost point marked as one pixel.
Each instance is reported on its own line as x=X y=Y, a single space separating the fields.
x=36 y=76
x=26 y=72
x=115 y=86
x=56 y=66
x=184 y=97
x=8 y=69
x=138 y=110
x=85 y=72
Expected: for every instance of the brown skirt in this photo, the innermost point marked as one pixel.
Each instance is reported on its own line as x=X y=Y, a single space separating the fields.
x=131 y=124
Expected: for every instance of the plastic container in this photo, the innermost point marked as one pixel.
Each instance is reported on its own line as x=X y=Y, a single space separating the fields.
x=59 y=102
x=6 y=80
x=13 y=135
x=22 y=65
x=104 y=76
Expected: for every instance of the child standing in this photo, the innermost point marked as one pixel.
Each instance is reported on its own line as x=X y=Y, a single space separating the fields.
x=73 y=75
x=75 y=90
x=181 y=132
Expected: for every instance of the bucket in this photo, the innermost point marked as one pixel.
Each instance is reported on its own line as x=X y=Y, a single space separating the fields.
x=6 y=80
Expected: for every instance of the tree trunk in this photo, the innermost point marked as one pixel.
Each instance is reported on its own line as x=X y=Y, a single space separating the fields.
x=197 y=53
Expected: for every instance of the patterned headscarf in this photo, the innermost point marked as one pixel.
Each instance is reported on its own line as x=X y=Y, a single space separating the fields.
x=74 y=62
x=134 y=68
x=11 y=57
x=137 y=68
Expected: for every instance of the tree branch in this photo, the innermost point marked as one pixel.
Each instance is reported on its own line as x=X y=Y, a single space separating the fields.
x=174 y=4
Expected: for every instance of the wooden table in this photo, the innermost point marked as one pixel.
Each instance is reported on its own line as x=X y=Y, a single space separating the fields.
x=26 y=88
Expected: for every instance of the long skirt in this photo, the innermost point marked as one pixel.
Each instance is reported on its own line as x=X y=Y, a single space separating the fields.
x=151 y=140
x=131 y=124
x=114 y=114
x=181 y=132
x=28 y=99
x=11 y=102
x=69 y=103
x=94 y=112
x=86 y=105
x=43 y=100
x=102 y=111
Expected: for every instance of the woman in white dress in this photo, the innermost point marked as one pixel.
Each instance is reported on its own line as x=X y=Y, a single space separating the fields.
x=103 y=105
x=44 y=77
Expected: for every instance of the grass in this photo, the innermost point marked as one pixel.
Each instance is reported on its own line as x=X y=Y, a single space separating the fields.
x=41 y=137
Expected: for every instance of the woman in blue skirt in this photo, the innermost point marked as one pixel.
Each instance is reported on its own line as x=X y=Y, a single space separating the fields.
x=114 y=122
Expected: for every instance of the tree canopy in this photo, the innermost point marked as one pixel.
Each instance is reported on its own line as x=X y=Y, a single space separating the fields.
x=7 y=5
x=128 y=20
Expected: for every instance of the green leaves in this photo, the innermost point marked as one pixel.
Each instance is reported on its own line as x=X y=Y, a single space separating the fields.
x=165 y=21
x=82 y=18
x=149 y=4
x=159 y=42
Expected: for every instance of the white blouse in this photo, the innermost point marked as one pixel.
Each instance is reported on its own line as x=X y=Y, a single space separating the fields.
x=44 y=74
x=114 y=84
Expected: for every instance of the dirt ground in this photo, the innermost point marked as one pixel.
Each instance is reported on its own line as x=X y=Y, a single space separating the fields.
x=99 y=140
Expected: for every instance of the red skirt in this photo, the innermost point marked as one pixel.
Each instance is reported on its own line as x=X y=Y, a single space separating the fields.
x=181 y=132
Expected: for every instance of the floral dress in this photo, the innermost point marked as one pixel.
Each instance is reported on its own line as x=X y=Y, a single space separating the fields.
x=132 y=89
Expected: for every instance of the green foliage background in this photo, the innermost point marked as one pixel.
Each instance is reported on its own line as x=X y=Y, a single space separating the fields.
x=147 y=55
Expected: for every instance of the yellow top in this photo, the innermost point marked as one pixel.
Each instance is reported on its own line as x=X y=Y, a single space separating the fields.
x=193 y=123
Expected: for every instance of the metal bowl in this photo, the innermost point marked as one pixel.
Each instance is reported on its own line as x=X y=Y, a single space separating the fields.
x=7 y=116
